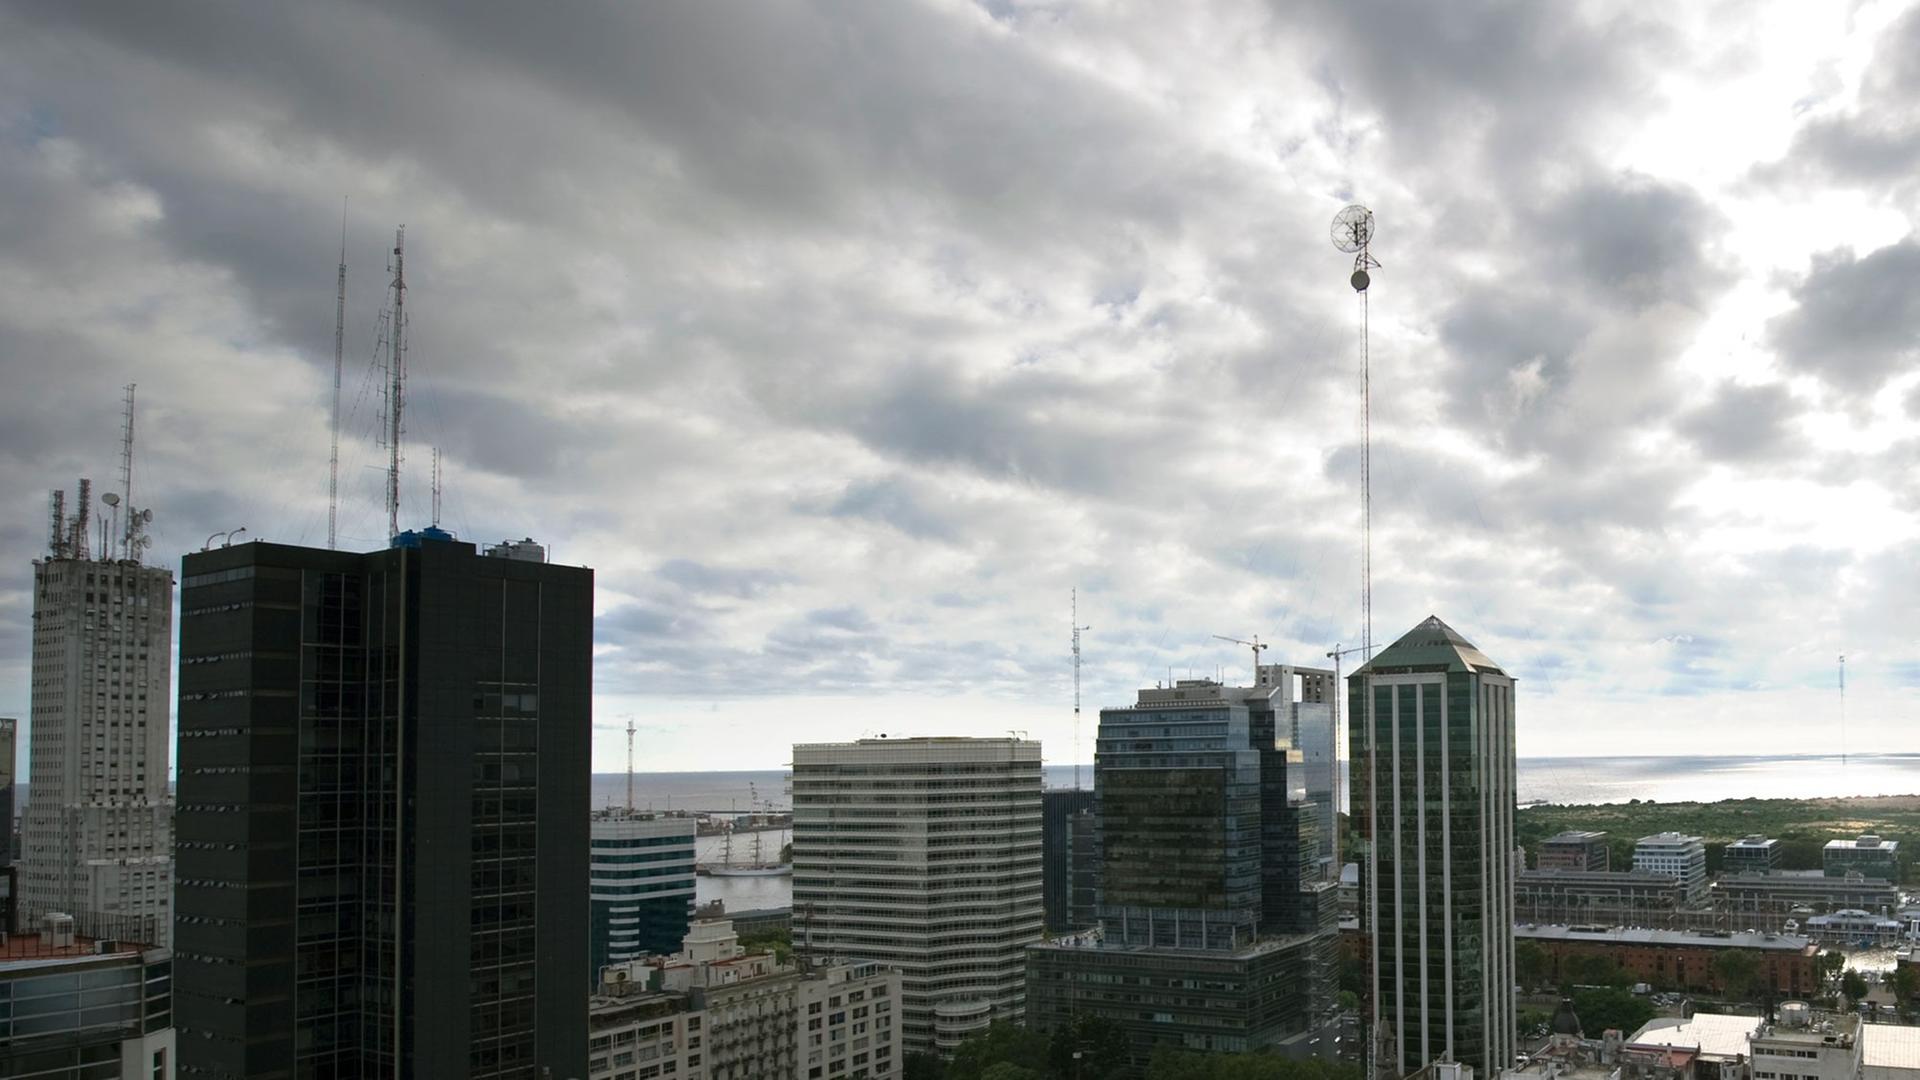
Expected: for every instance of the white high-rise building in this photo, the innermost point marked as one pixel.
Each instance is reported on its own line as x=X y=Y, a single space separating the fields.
x=1674 y=855
x=923 y=854
x=97 y=837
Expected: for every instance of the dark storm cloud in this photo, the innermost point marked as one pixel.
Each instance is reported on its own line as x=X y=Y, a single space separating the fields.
x=894 y=501
x=1743 y=423
x=1856 y=321
x=1632 y=241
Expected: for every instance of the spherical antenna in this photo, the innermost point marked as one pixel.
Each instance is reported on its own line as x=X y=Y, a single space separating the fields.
x=111 y=499
x=1352 y=228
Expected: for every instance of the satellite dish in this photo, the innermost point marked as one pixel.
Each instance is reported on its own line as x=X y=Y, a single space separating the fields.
x=110 y=499
x=1360 y=280
x=146 y=516
x=1352 y=229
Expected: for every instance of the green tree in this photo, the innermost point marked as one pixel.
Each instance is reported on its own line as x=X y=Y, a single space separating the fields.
x=1593 y=971
x=1532 y=1020
x=1007 y=1070
x=1906 y=983
x=1854 y=985
x=1003 y=1042
x=1101 y=1044
x=777 y=942
x=1530 y=964
x=1611 y=1007
x=923 y=1067
x=1738 y=971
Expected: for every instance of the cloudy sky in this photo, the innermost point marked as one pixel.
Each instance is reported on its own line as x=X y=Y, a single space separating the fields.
x=844 y=340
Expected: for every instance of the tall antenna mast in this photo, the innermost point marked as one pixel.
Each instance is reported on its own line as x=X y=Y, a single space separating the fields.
x=1843 y=709
x=436 y=487
x=629 y=764
x=1352 y=233
x=1076 y=685
x=397 y=377
x=339 y=348
x=126 y=482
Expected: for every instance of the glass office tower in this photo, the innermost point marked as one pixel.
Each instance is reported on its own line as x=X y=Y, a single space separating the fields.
x=1431 y=733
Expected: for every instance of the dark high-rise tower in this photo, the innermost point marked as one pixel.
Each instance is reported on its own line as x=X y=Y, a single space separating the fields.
x=1431 y=734
x=383 y=812
x=1208 y=846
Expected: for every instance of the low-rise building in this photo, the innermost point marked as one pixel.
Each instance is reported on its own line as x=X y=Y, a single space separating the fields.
x=1574 y=850
x=82 y=1008
x=1679 y=959
x=1709 y=1046
x=1853 y=927
x=1751 y=854
x=1675 y=855
x=1889 y=1052
x=760 y=1019
x=1799 y=1047
x=1768 y=900
x=638 y=1034
x=1870 y=855
x=1234 y=1001
x=1630 y=898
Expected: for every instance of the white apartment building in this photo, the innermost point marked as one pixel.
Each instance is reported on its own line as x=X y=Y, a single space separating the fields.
x=637 y=1034
x=923 y=854
x=717 y=1012
x=1674 y=855
x=96 y=835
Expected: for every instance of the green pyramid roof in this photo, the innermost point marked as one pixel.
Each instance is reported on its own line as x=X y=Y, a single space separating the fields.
x=1431 y=646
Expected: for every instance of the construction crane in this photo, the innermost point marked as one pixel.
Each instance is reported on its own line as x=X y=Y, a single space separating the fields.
x=1255 y=645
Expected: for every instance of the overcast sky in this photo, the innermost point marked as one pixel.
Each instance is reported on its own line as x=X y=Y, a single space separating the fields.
x=843 y=340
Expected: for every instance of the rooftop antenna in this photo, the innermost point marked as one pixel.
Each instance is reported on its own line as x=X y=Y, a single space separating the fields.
x=1352 y=233
x=396 y=379
x=126 y=484
x=81 y=519
x=1076 y=686
x=1843 y=710
x=629 y=764
x=436 y=487
x=1256 y=645
x=339 y=350
x=57 y=523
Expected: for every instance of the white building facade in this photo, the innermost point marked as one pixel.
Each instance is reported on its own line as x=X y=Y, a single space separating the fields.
x=923 y=854
x=96 y=836
x=1675 y=855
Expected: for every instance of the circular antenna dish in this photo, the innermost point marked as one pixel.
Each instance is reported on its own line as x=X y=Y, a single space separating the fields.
x=1360 y=280
x=146 y=515
x=110 y=499
x=1352 y=229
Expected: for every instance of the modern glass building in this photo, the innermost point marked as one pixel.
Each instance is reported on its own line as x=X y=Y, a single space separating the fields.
x=73 y=1007
x=642 y=867
x=1058 y=809
x=383 y=812
x=1431 y=725
x=1218 y=931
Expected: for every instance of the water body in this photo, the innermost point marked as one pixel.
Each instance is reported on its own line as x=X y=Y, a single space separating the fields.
x=1565 y=780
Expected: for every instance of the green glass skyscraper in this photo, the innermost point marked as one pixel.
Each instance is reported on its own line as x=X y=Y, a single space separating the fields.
x=1430 y=731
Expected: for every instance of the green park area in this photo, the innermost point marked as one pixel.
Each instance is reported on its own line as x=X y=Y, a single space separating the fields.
x=1803 y=826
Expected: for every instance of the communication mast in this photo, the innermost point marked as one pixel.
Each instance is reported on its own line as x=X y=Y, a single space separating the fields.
x=629 y=765
x=126 y=482
x=396 y=379
x=339 y=349
x=1843 y=710
x=436 y=487
x=1076 y=686
x=1353 y=233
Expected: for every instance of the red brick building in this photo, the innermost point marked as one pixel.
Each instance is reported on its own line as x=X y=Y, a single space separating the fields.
x=1677 y=959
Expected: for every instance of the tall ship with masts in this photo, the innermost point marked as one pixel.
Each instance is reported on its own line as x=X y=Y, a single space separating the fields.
x=759 y=822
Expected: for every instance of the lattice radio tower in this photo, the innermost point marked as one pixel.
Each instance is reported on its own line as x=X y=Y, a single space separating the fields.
x=396 y=379
x=339 y=347
x=1352 y=233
